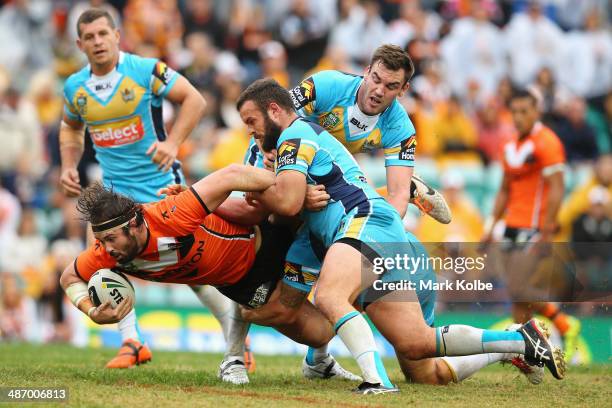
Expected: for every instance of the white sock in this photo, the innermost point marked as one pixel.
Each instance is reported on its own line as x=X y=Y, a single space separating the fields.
x=356 y=334
x=128 y=326
x=316 y=355
x=461 y=340
x=218 y=304
x=237 y=334
x=463 y=367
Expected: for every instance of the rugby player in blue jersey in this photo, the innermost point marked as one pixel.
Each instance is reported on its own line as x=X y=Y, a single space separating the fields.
x=358 y=223
x=118 y=98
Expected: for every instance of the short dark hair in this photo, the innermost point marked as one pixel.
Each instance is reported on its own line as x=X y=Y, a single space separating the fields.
x=91 y=15
x=394 y=58
x=524 y=93
x=265 y=91
x=99 y=204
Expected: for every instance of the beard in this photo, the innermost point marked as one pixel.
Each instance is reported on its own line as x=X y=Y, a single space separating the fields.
x=272 y=132
x=131 y=251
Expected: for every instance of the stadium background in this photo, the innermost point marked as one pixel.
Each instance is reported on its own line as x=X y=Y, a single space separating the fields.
x=468 y=54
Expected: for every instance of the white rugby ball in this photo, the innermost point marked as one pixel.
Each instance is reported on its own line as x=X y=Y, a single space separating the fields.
x=110 y=285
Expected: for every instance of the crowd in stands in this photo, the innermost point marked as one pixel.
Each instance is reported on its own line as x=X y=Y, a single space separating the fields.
x=469 y=56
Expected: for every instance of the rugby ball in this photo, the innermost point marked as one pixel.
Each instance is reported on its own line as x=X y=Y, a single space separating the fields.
x=109 y=285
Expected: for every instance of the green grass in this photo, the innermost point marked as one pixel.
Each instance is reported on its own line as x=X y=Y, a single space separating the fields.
x=189 y=379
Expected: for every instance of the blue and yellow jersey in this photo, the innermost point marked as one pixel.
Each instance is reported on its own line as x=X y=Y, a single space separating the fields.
x=306 y=147
x=329 y=98
x=123 y=114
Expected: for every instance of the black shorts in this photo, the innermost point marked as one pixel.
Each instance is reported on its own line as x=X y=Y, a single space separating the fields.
x=255 y=288
x=518 y=239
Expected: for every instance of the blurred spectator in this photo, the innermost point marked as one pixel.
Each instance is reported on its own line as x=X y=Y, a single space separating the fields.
x=10 y=214
x=43 y=92
x=26 y=32
x=431 y=87
x=22 y=146
x=304 y=33
x=572 y=13
x=467 y=221
x=52 y=297
x=273 y=62
x=17 y=311
x=199 y=17
x=495 y=129
x=413 y=22
x=472 y=53
x=156 y=22
x=587 y=62
x=594 y=226
x=454 y=134
x=532 y=41
x=335 y=58
x=248 y=27
x=24 y=254
x=552 y=95
x=200 y=71
x=578 y=203
x=602 y=124
x=577 y=135
x=421 y=51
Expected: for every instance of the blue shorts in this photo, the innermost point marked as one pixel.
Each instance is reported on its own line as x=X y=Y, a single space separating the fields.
x=303 y=262
x=143 y=192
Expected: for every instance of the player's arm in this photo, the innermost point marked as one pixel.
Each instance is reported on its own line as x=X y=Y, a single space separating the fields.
x=217 y=186
x=192 y=105
x=72 y=140
x=501 y=201
x=398 y=187
x=555 y=197
x=76 y=290
x=238 y=211
x=286 y=196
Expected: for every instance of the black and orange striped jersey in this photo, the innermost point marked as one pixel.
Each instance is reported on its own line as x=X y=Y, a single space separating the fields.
x=185 y=244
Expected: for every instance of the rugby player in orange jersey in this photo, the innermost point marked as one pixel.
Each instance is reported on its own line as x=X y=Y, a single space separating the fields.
x=528 y=201
x=178 y=240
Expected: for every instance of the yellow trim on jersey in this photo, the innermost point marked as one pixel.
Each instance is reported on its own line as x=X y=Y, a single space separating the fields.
x=393 y=150
x=123 y=103
x=306 y=153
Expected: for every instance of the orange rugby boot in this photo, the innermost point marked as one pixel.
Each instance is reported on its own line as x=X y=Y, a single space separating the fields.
x=131 y=354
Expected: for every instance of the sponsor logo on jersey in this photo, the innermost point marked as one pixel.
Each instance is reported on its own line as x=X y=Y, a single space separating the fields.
x=163 y=72
x=330 y=120
x=287 y=152
x=81 y=102
x=359 y=125
x=408 y=148
x=127 y=95
x=117 y=133
x=303 y=94
x=103 y=86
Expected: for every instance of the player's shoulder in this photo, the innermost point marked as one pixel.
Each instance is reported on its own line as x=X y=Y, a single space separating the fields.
x=134 y=61
x=396 y=117
x=74 y=81
x=334 y=77
x=336 y=83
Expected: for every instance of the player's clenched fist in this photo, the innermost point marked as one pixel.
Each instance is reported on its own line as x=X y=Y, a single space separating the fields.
x=316 y=197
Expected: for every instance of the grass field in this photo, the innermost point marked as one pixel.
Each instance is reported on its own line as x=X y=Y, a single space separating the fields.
x=189 y=379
